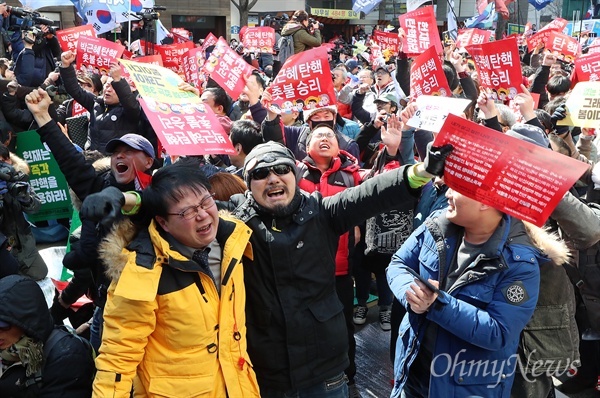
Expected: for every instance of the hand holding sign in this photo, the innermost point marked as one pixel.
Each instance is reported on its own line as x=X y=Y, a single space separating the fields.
x=526 y=103
x=486 y=104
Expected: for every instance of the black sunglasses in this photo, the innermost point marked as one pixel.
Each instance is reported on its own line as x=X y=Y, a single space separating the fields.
x=263 y=172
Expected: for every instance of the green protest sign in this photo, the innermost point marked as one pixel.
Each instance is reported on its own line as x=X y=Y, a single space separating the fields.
x=514 y=29
x=45 y=177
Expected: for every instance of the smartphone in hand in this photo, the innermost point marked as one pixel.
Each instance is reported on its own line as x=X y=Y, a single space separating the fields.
x=423 y=280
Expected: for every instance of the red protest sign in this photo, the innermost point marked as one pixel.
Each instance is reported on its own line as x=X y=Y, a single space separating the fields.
x=78 y=109
x=180 y=35
x=588 y=67
x=421 y=31
x=567 y=46
x=511 y=175
x=95 y=55
x=260 y=39
x=499 y=67
x=172 y=55
x=227 y=68
x=192 y=66
x=187 y=129
x=427 y=76
x=68 y=37
x=387 y=41
x=210 y=40
x=150 y=59
x=304 y=82
x=542 y=35
x=469 y=37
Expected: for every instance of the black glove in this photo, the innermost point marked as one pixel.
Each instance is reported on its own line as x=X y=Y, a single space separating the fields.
x=436 y=158
x=559 y=114
x=103 y=207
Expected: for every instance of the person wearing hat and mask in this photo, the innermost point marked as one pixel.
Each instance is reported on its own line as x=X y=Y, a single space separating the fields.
x=38 y=360
x=131 y=155
x=177 y=291
x=296 y=327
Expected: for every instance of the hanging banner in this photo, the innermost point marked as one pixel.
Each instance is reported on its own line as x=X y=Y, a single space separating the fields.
x=259 y=39
x=566 y=46
x=172 y=55
x=587 y=67
x=304 y=82
x=227 y=68
x=427 y=76
x=499 y=67
x=335 y=14
x=387 y=41
x=473 y=36
x=421 y=31
x=511 y=175
x=95 y=55
x=183 y=124
x=45 y=177
x=68 y=37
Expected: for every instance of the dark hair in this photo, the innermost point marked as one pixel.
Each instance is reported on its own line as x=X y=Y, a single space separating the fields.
x=300 y=15
x=527 y=70
x=451 y=75
x=224 y=185
x=220 y=97
x=96 y=81
x=259 y=79
x=247 y=133
x=544 y=118
x=171 y=184
x=558 y=84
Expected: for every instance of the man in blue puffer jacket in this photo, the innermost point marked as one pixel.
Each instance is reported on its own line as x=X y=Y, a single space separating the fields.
x=463 y=341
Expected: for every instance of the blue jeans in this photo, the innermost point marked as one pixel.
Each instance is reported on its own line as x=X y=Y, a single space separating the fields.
x=334 y=387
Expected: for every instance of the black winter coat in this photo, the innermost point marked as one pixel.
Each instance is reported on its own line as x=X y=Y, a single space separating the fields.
x=69 y=367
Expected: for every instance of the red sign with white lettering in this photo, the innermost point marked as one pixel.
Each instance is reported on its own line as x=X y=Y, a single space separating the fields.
x=95 y=55
x=542 y=35
x=511 y=175
x=187 y=129
x=469 y=37
x=387 y=41
x=587 y=67
x=172 y=55
x=427 y=76
x=304 y=82
x=68 y=37
x=259 y=39
x=227 y=68
x=568 y=47
x=421 y=31
x=499 y=67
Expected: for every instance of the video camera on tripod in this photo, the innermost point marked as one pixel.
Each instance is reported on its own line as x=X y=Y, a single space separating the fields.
x=16 y=182
x=150 y=14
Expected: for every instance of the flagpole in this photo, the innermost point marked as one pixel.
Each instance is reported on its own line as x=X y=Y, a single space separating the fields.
x=129 y=26
x=453 y=13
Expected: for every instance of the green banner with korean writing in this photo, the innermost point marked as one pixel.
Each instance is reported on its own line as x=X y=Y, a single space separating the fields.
x=514 y=29
x=45 y=177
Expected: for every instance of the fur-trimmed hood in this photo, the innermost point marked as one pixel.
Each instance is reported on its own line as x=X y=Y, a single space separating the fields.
x=549 y=243
x=19 y=164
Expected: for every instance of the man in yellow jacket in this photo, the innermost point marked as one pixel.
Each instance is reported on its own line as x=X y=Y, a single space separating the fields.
x=174 y=322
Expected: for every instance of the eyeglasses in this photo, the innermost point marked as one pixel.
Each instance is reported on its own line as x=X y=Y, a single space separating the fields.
x=262 y=173
x=192 y=211
x=324 y=134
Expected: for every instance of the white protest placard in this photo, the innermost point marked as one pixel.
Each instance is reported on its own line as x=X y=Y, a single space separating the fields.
x=433 y=111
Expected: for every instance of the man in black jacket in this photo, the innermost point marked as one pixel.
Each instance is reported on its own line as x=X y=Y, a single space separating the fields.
x=295 y=322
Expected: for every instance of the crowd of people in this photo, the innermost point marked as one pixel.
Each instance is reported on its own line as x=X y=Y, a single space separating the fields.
x=237 y=275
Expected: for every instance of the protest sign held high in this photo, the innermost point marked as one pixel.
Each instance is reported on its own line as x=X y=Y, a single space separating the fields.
x=469 y=37
x=511 y=175
x=427 y=76
x=387 y=41
x=68 y=37
x=259 y=39
x=183 y=124
x=95 y=55
x=192 y=66
x=421 y=31
x=227 y=68
x=587 y=68
x=543 y=34
x=566 y=46
x=499 y=67
x=173 y=54
x=433 y=111
x=304 y=82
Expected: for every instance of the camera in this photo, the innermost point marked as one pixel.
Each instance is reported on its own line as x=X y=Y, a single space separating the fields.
x=29 y=17
x=16 y=182
x=275 y=22
x=150 y=14
x=312 y=21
